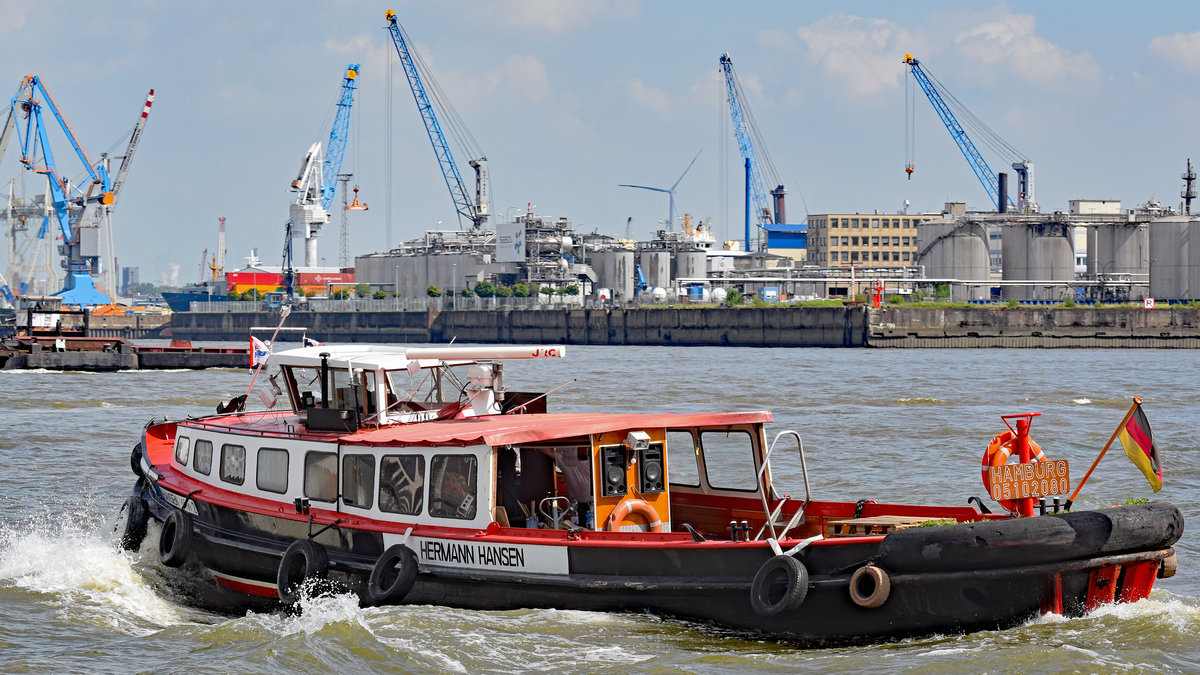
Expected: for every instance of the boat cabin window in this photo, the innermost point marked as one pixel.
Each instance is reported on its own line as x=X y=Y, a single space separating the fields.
x=358 y=480
x=320 y=476
x=402 y=484
x=452 y=488
x=307 y=380
x=682 y=458
x=729 y=460
x=233 y=464
x=428 y=388
x=182 y=445
x=203 y=457
x=272 y=473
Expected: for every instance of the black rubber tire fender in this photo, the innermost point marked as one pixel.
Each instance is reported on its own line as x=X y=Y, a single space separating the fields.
x=175 y=540
x=870 y=587
x=780 y=585
x=135 y=460
x=133 y=530
x=302 y=561
x=393 y=576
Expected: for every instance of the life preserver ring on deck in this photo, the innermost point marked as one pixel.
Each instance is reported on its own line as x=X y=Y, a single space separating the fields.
x=870 y=586
x=393 y=575
x=175 y=540
x=780 y=585
x=630 y=507
x=997 y=454
x=133 y=530
x=303 y=561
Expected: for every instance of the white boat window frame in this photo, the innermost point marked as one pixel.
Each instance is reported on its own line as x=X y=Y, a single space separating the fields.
x=183 y=445
x=196 y=466
x=305 y=475
x=259 y=473
x=344 y=475
x=420 y=488
x=222 y=472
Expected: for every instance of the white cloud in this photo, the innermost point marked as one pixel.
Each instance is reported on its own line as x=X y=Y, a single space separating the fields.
x=1012 y=42
x=1181 y=49
x=15 y=13
x=651 y=97
x=709 y=90
x=861 y=54
x=557 y=16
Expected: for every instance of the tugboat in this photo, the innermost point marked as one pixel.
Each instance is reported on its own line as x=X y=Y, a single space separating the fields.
x=414 y=475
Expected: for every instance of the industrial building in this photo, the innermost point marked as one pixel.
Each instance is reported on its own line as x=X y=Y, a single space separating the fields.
x=876 y=240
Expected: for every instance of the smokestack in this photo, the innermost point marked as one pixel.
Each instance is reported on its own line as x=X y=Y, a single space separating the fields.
x=1189 y=187
x=1002 y=201
x=780 y=208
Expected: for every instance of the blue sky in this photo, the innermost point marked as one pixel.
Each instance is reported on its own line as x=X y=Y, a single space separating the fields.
x=570 y=99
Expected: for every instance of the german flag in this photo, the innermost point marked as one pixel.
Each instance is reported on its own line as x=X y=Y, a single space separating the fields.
x=1139 y=447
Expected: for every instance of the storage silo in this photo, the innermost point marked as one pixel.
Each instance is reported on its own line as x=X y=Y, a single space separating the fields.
x=1118 y=256
x=691 y=265
x=955 y=249
x=1038 y=252
x=1175 y=258
x=614 y=269
x=656 y=267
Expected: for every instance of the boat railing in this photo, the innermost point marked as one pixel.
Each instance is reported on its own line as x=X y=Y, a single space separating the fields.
x=773 y=514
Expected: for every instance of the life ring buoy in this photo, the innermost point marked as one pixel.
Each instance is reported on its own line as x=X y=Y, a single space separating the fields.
x=175 y=540
x=303 y=561
x=997 y=454
x=870 y=586
x=780 y=585
x=133 y=529
x=393 y=575
x=630 y=507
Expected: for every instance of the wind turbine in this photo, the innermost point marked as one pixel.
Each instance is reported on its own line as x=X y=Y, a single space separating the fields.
x=670 y=192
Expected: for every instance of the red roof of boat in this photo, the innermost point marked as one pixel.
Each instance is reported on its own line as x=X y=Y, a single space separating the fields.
x=497 y=430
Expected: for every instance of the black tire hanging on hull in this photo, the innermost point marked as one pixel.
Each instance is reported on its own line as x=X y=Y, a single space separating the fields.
x=302 y=562
x=175 y=540
x=393 y=576
x=133 y=529
x=780 y=585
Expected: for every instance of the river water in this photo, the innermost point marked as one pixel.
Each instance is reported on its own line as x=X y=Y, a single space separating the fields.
x=895 y=425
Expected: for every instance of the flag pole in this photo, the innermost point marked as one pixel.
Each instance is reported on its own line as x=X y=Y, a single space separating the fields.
x=1137 y=401
x=284 y=311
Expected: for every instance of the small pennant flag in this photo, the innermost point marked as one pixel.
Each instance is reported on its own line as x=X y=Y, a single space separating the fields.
x=1139 y=446
x=309 y=342
x=259 y=351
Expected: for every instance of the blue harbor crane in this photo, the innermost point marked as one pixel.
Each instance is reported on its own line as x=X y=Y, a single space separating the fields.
x=670 y=192
x=747 y=133
x=72 y=203
x=476 y=211
x=316 y=185
x=945 y=104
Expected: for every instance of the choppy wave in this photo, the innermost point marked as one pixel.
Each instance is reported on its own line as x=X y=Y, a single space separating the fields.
x=84 y=574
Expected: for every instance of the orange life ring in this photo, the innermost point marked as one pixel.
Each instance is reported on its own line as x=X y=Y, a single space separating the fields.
x=997 y=454
x=630 y=507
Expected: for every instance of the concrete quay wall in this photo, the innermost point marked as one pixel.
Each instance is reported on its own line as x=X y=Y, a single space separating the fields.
x=1168 y=327
x=761 y=327
x=1079 y=327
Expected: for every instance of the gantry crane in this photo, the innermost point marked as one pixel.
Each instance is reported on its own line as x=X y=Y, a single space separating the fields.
x=75 y=206
x=476 y=211
x=316 y=184
x=944 y=104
